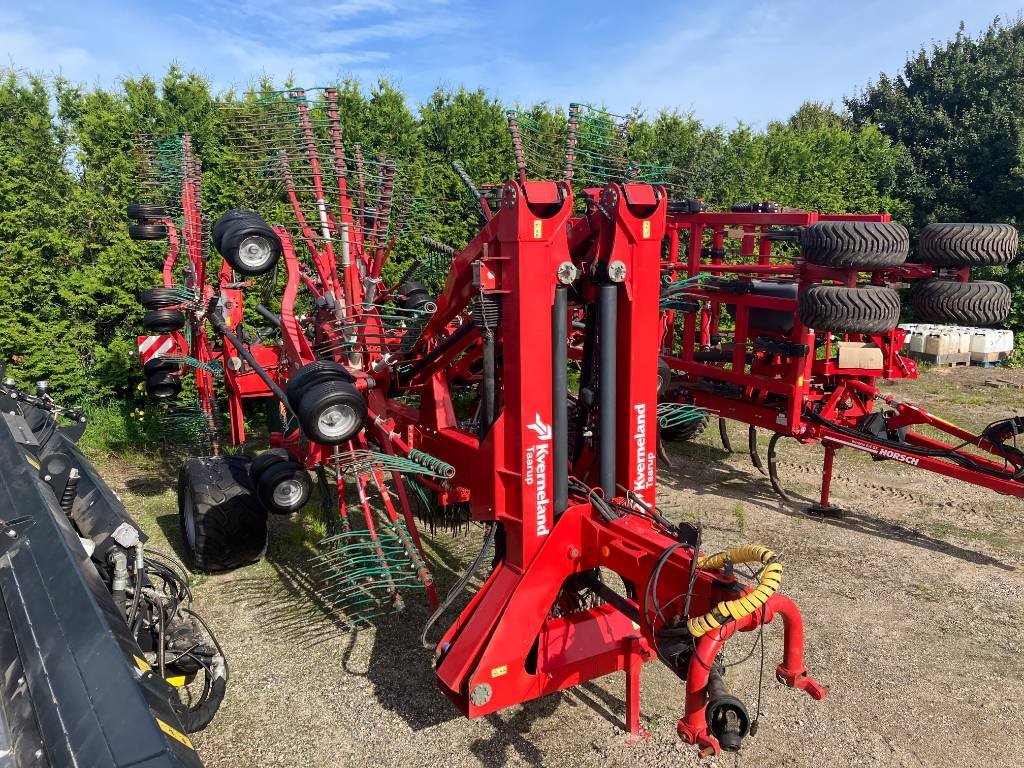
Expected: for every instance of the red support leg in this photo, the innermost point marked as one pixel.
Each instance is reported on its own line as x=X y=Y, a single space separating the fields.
x=635 y=658
x=824 y=507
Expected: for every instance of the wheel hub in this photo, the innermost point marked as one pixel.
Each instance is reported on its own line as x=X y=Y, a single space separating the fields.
x=338 y=421
x=255 y=251
x=288 y=493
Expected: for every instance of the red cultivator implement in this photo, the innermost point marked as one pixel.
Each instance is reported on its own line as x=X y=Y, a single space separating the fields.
x=808 y=339
x=460 y=408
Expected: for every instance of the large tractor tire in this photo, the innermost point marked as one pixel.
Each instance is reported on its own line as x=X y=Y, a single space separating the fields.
x=855 y=244
x=972 y=304
x=222 y=522
x=867 y=309
x=967 y=245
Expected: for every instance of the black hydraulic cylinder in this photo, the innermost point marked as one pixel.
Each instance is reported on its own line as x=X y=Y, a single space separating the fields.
x=560 y=399
x=607 y=323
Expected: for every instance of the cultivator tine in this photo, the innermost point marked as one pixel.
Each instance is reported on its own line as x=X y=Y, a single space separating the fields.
x=361 y=572
x=723 y=432
x=755 y=457
x=773 y=469
x=358 y=461
x=188 y=428
x=211 y=368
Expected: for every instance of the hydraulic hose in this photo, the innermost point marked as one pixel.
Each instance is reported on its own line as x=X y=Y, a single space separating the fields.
x=220 y=325
x=733 y=610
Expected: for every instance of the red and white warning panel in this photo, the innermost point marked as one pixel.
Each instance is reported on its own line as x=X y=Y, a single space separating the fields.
x=161 y=346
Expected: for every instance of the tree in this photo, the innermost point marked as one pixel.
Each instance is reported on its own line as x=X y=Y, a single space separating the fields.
x=39 y=244
x=958 y=108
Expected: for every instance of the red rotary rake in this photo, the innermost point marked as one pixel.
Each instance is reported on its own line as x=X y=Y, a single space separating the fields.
x=463 y=402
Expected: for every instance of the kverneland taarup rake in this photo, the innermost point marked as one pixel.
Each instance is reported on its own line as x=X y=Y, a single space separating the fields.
x=460 y=407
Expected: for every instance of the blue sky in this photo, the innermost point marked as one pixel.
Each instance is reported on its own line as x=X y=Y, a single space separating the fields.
x=725 y=60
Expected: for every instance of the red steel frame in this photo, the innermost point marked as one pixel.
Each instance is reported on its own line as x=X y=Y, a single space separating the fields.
x=806 y=396
x=509 y=644
x=507 y=647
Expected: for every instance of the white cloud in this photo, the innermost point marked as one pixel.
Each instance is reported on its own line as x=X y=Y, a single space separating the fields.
x=229 y=42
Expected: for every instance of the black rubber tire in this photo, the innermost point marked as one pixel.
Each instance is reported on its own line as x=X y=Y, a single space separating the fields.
x=160 y=365
x=314 y=373
x=866 y=309
x=163 y=320
x=687 y=431
x=229 y=525
x=142 y=211
x=221 y=225
x=160 y=298
x=855 y=244
x=967 y=245
x=163 y=385
x=231 y=235
x=147 y=232
x=318 y=398
x=972 y=304
x=265 y=460
x=413 y=295
x=278 y=473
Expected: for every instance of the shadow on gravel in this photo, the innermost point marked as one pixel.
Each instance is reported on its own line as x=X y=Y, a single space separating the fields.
x=400 y=670
x=860 y=522
x=705 y=470
x=511 y=735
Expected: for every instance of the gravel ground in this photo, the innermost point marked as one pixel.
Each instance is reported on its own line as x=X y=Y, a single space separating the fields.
x=913 y=601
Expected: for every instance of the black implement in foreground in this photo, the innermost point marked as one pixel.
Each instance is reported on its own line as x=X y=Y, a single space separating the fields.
x=75 y=686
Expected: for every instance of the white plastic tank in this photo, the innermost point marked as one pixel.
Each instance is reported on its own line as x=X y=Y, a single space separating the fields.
x=941 y=342
x=964 y=345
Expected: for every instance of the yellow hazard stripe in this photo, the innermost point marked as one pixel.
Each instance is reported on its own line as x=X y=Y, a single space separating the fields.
x=174 y=733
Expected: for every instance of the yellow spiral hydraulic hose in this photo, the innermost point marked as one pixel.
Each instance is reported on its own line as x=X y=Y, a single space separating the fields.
x=732 y=610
